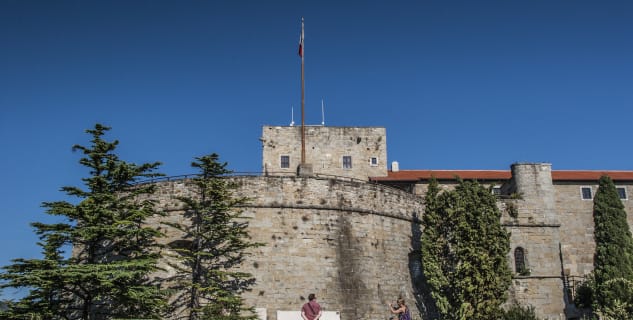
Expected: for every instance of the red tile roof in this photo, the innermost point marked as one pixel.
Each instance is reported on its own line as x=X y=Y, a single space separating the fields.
x=415 y=175
x=557 y=175
x=576 y=175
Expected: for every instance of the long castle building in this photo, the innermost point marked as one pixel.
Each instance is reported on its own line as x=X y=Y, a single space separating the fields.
x=349 y=228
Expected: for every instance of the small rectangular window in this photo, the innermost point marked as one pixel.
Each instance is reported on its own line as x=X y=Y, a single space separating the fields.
x=347 y=162
x=496 y=190
x=285 y=161
x=373 y=161
x=622 y=193
x=586 y=193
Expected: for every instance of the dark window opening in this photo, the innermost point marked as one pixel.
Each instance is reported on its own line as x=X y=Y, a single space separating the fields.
x=519 y=261
x=347 y=162
x=285 y=161
x=622 y=193
x=586 y=193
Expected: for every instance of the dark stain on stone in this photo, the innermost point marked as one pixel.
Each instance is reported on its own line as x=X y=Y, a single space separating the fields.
x=349 y=263
x=255 y=265
x=330 y=184
x=341 y=201
x=261 y=293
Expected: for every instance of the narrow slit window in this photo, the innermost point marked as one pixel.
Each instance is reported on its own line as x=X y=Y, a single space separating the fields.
x=519 y=260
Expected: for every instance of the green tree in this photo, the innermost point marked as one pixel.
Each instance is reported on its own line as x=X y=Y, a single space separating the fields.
x=46 y=298
x=620 y=305
x=614 y=249
x=113 y=249
x=206 y=284
x=519 y=312
x=465 y=252
x=434 y=245
x=585 y=292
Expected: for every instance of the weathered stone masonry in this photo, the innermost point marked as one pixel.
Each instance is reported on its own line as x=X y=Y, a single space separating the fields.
x=355 y=243
x=553 y=226
x=343 y=240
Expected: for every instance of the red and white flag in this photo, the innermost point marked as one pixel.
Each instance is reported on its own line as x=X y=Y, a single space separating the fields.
x=301 y=40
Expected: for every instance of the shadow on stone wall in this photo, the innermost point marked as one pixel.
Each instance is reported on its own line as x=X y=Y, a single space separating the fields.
x=571 y=311
x=350 y=280
x=423 y=300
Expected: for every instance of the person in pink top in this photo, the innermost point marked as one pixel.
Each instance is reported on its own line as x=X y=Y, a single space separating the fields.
x=311 y=310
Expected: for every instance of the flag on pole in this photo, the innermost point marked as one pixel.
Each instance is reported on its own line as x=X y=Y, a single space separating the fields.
x=301 y=40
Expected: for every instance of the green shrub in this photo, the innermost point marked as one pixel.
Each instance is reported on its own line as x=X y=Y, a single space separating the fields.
x=618 y=303
x=585 y=293
x=519 y=312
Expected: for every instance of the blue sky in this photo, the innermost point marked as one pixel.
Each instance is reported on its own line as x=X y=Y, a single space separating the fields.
x=457 y=84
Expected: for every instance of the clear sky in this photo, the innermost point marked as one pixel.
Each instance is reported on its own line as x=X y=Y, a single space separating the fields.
x=457 y=84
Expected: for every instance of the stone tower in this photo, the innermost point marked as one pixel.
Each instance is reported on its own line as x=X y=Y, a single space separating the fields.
x=351 y=152
x=535 y=239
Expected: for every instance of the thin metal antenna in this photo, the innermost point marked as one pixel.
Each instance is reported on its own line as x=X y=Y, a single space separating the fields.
x=292 y=116
x=322 y=113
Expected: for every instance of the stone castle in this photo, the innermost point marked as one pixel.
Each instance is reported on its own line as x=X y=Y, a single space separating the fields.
x=349 y=229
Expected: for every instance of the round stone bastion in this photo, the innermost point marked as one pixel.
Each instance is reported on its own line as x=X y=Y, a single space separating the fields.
x=355 y=244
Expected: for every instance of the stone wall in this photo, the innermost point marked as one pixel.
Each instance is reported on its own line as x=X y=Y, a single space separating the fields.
x=530 y=291
x=554 y=226
x=353 y=244
x=576 y=218
x=536 y=229
x=325 y=148
x=543 y=286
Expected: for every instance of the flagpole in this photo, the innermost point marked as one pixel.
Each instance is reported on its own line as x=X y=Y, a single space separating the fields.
x=303 y=128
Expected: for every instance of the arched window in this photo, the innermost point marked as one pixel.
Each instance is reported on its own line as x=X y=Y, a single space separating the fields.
x=519 y=261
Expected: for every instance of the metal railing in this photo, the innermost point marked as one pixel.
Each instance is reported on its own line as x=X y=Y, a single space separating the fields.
x=571 y=284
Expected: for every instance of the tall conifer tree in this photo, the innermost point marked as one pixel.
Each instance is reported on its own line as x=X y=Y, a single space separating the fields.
x=614 y=247
x=434 y=245
x=113 y=250
x=206 y=283
x=465 y=252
